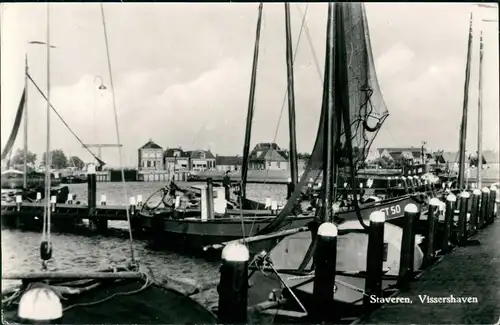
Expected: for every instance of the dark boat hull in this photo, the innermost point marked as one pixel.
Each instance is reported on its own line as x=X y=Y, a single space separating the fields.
x=32 y=182
x=151 y=305
x=192 y=233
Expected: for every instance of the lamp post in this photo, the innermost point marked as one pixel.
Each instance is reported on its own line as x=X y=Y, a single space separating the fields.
x=99 y=83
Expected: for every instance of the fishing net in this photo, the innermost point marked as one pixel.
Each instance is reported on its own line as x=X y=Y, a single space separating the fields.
x=367 y=110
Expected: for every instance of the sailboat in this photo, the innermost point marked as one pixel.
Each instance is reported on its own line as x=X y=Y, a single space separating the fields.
x=106 y=296
x=192 y=229
x=290 y=259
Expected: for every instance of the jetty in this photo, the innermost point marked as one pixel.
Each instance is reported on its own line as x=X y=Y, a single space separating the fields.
x=460 y=289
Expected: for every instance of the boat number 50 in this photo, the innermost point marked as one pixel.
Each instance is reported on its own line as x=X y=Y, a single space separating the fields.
x=395 y=209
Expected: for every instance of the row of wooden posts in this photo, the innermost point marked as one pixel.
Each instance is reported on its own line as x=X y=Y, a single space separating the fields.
x=447 y=225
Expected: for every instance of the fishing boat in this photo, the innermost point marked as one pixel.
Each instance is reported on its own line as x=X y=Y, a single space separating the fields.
x=287 y=265
x=123 y=294
x=214 y=220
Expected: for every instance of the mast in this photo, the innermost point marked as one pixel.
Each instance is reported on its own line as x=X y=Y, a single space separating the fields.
x=480 y=116
x=25 y=115
x=48 y=158
x=291 y=99
x=251 y=99
x=328 y=151
x=463 y=127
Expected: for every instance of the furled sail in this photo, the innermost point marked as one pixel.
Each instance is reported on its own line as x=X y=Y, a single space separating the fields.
x=15 y=128
x=366 y=112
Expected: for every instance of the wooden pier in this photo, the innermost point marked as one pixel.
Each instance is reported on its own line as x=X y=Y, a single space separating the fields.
x=469 y=274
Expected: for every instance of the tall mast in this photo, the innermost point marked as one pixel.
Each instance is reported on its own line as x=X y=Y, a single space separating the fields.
x=480 y=116
x=463 y=127
x=291 y=98
x=48 y=158
x=25 y=180
x=251 y=99
x=328 y=87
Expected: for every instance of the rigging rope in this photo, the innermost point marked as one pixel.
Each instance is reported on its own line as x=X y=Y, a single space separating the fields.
x=62 y=120
x=45 y=245
x=282 y=106
x=132 y=255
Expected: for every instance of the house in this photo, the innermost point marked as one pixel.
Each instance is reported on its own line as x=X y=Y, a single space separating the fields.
x=176 y=159
x=489 y=158
x=372 y=155
x=225 y=163
x=412 y=154
x=150 y=156
x=200 y=160
x=268 y=156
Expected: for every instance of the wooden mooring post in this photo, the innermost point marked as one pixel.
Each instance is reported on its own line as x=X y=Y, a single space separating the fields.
x=325 y=257
x=96 y=223
x=233 y=286
x=406 y=266
x=463 y=204
x=491 y=205
x=375 y=259
x=451 y=204
x=483 y=207
x=474 y=211
x=430 y=234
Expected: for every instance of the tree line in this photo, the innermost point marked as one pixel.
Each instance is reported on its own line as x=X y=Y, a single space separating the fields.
x=59 y=160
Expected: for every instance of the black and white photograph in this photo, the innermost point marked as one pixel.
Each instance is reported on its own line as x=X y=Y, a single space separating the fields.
x=250 y=162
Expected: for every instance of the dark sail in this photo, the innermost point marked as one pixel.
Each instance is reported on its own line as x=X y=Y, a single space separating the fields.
x=366 y=110
x=15 y=128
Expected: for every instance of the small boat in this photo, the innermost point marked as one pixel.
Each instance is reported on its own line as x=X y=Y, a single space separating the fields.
x=13 y=179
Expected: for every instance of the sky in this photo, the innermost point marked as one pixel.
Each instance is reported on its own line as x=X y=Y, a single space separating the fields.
x=181 y=74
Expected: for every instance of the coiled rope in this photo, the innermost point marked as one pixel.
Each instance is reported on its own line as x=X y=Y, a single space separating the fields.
x=132 y=255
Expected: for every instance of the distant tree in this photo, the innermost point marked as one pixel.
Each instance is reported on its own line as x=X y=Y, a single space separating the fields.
x=76 y=161
x=59 y=159
x=18 y=158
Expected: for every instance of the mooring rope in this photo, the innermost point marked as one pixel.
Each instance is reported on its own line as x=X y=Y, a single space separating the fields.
x=132 y=255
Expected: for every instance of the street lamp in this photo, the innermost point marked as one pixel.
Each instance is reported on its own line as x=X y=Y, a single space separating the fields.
x=101 y=85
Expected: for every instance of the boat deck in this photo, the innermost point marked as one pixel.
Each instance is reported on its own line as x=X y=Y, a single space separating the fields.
x=472 y=271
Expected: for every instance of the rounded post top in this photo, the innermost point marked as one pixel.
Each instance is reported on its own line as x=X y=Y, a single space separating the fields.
x=493 y=188
x=40 y=304
x=411 y=208
x=289 y=179
x=235 y=252
x=403 y=178
x=486 y=190
x=435 y=201
x=476 y=191
x=465 y=194
x=451 y=197
x=327 y=229
x=377 y=217
x=91 y=169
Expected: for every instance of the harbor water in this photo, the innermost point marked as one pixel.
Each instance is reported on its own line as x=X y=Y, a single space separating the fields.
x=20 y=250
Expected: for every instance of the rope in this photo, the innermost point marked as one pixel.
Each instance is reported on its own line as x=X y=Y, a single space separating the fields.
x=303 y=24
x=60 y=117
x=47 y=208
x=118 y=135
x=147 y=283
